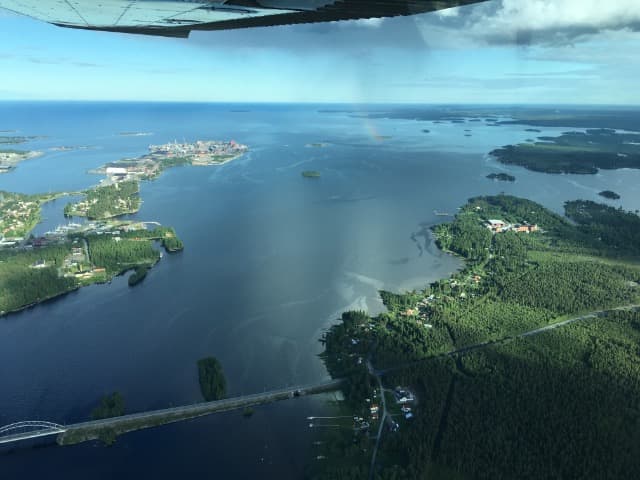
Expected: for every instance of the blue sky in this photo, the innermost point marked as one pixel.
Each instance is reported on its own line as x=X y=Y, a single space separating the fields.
x=504 y=51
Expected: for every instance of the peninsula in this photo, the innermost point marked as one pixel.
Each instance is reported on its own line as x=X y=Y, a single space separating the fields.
x=161 y=157
x=9 y=158
x=537 y=322
x=37 y=269
x=575 y=152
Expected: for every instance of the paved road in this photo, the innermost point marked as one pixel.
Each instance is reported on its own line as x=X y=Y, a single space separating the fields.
x=84 y=431
x=383 y=418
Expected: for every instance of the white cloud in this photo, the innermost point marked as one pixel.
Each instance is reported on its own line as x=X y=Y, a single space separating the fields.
x=549 y=21
x=366 y=22
x=558 y=14
x=449 y=12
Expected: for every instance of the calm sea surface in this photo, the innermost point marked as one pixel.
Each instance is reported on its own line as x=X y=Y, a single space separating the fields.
x=271 y=260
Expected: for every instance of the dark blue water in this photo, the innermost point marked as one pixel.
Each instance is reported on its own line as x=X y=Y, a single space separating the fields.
x=271 y=259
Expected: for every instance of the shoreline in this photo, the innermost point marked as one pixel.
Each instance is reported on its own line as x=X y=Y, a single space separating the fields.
x=9 y=163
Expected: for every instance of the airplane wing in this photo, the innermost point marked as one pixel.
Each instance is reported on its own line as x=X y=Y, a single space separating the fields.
x=177 y=18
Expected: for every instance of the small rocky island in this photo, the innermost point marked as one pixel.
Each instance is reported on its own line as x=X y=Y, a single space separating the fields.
x=501 y=177
x=15 y=139
x=311 y=174
x=611 y=195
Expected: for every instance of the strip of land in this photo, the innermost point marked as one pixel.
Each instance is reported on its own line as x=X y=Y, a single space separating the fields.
x=10 y=158
x=575 y=152
x=162 y=157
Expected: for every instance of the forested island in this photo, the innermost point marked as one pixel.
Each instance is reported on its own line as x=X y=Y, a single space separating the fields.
x=501 y=177
x=575 y=152
x=311 y=174
x=611 y=195
x=107 y=201
x=213 y=385
x=492 y=401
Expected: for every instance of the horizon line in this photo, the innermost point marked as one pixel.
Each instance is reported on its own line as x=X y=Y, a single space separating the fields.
x=271 y=102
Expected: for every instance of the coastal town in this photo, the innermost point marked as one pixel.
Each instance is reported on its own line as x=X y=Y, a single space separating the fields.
x=84 y=252
x=18 y=216
x=161 y=157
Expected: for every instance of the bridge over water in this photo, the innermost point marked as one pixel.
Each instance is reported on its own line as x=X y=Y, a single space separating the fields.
x=92 y=430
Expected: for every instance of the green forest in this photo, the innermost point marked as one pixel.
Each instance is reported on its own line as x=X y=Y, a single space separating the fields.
x=21 y=284
x=111 y=405
x=610 y=194
x=107 y=201
x=30 y=276
x=138 y=275
x=550 y=405
x=501 y=177
x=575 y=152
x=213 y=385
x=119 y=256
